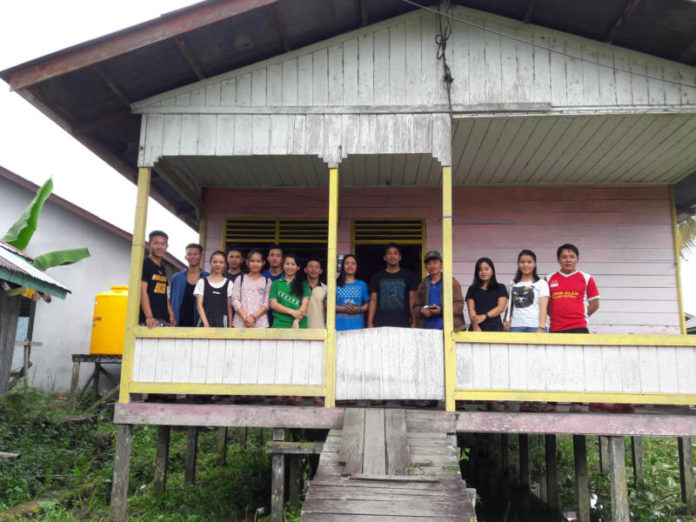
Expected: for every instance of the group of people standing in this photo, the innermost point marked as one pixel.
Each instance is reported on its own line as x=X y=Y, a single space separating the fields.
x=567 y=297
x=240 y=293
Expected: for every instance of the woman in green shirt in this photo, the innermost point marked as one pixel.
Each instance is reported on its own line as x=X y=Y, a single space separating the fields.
x=289 y=296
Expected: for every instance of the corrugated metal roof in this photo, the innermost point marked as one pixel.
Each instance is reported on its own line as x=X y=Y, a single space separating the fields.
x=16 y=269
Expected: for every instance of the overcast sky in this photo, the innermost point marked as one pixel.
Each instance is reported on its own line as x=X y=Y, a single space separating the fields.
x=32 y=146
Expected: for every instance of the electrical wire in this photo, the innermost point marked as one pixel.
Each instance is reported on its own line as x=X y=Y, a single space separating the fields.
x=562 y=53
x=441 y=41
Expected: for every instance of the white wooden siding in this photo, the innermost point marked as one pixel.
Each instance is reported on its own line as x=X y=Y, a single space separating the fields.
x=331 y=137
x=389 y=363
x=379 y=91
x=570 y=368
x=393 y=64
x=228 y=361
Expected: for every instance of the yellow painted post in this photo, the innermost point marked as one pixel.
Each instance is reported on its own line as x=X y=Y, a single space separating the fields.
x=447 y=275
x=202 y=224
x=331 y=262
x=136 y=268
x=677 y=261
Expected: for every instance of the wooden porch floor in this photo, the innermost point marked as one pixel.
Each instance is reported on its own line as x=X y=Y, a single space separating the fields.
x=380 y=467
x=656 y=421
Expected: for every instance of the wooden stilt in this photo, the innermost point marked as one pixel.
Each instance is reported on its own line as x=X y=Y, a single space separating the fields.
x=243 y=437
x=617 y=479
x=191 y=456
x=222 y=446
x=278 y=481
x=295 y=478
x=603 y=454
x=27 y=362
x=552 y=498
x=159 y=483
x=9 y=311
x=119 y=487
x=637 y=458
x=523 y=440
x=686 y=473
x=504 y=455
x=97 y=375
x=582 y=484
x=74 y=382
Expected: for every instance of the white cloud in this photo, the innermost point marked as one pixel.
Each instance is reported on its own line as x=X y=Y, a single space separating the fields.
x=34 y=147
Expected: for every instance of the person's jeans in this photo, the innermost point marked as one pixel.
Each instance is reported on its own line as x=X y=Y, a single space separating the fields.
x=526 y=329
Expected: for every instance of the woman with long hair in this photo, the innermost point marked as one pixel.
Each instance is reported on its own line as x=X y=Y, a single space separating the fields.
x=529 y=297
x=250 y=294
x=213 y=294
x=352 y=297
x=486 y=299
x=289 y=297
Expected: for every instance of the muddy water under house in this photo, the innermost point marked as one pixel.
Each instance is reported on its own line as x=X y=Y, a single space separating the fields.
x=336 y=126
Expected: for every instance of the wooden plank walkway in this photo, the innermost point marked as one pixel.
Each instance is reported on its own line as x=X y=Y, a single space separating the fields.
x=382 y=467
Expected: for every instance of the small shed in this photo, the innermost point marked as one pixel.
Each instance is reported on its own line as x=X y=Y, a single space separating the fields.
x=16 y=271
x=65 y=327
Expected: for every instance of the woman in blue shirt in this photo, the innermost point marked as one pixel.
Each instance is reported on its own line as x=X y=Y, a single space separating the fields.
x=352 y=297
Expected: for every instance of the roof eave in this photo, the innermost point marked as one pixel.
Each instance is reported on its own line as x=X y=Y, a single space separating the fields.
x=115 y=44
x=34 y=284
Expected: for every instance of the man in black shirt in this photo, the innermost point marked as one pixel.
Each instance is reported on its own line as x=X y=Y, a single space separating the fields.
x=235 y=263
x=392 y=293
x=155 y=309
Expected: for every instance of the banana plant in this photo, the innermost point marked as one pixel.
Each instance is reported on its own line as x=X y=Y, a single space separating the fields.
x=686 y=236
x=21 y=232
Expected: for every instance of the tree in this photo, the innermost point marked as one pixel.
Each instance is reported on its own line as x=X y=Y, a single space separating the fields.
x=21 y=232
x=686 y=236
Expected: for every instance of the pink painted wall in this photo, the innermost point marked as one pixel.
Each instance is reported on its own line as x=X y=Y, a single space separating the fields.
x=623 y=233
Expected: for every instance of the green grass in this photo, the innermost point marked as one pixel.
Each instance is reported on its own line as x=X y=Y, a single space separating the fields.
x=659 y=500
x=68 y=466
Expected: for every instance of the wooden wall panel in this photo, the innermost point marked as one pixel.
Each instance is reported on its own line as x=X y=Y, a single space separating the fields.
x=231 y=361
x=623 y=233
x=391 y=67
x=570 y=368
x=389 y=363
x=394 y=63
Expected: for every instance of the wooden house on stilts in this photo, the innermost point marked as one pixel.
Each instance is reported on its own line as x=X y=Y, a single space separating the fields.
x=339 y=126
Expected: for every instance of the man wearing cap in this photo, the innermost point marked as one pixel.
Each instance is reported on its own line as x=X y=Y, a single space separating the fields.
x=429 y=296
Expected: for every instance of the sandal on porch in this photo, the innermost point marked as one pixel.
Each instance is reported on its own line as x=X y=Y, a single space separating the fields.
x=549 y=407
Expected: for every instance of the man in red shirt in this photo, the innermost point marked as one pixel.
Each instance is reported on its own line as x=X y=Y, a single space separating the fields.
x=574 y=295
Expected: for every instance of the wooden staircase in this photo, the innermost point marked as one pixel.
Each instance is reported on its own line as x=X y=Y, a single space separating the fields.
x=381 y=468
